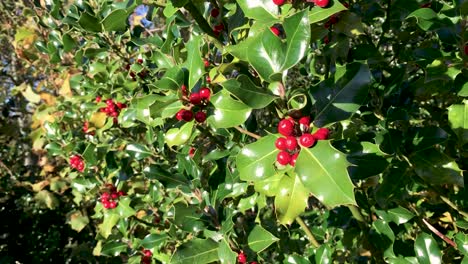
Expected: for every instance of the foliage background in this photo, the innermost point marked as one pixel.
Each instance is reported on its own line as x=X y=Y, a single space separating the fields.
x=396 y=71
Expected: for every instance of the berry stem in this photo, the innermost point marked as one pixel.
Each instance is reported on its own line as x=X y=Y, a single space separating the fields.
x=243 y=131
x=309 y=234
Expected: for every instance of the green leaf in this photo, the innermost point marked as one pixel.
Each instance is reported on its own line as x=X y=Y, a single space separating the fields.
x=255 y=161
x=153 y=240
x=298 y=37
x=265 y=54
x=178 y=136
x=110 y=220
x=458 y=117
x=172 y=79
x=296 y=259
x=138 y=151
x=323 y=255
x=250 y=94
x=291 y=199
x=89 y=155
x=338 y=100
x=426 y=249
x=386 y=237
x=423 y=17
x=225 y=253
x=47 y=199
x=229 y=112
x=116 y=20
x=188 y=218
x=113 y=249
x=462 y=243
x=259 y=10
x=317 y=13
x=398 y=215
x=323 y=170
x=89 y=22
x=194 y=61
x=199 y=251
x=123 y=208
x=260 y=239
x=436 y=167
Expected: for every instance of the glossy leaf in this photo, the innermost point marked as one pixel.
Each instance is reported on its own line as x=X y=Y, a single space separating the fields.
x=178 y=136
x=341 y=96
x=323 y=254
x=255 y=161
x=110 y=220
x=200 y=251
x=153 y=240
x=291 y=199
x=90 y=22
x=260 y=10
x=138 y=151
x=225 y=253
x=194 y=61
x=317 y=13
x=462 y=243
x=251 y=95
x=436 y=167
x=265 y=54
x=426 y=249
x=458 y=117
x=322 y=170
x=386 y=237
x=259 y=239
x=398 y=215
x=116 y=20
x=296 y=259
x=77 y=220
x=229 y=112
x=297 y=38
x=124 y=210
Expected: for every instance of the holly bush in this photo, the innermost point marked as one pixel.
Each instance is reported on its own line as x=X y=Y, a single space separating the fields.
x=255 y=131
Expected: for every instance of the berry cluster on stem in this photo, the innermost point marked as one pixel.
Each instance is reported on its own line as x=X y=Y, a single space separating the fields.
x=110 y=199
x=77 y=163
x=112 y=109
x=195 y=101
x=296 y=134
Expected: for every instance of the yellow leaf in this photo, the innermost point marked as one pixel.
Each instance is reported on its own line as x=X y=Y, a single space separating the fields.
x=28 y=93
x=98 y=119
x=65 y=90
x=48 y=98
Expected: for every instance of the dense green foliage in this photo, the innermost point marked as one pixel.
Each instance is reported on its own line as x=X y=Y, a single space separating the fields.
x=125 y=168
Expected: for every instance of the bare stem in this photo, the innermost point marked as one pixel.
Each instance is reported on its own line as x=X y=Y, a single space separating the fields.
x=439 y=234
x=243 y=131
x=308 y=232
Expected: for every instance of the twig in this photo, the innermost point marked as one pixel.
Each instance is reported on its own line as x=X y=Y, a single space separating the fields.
x=439 y=234
x=455 y=207
x=243 y=131
x=308 y=232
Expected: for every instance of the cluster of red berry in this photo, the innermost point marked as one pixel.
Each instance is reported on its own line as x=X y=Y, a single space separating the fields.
x=296 y=133
x=146 y=258
x=77 y=163
x=110 y=199
x=321 y=3
x=242 y=258
x=217 y=29
x=198 y=100
x=112 y=109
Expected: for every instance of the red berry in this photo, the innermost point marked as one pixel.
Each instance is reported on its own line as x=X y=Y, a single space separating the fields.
x=98 y=99
x=145 y=260
x=187 y=115
x=293 y=159
x=214 y=12
x=321 y=134
x=307 y=140
x=291 y=143
x=205 y=93
x=206 y=63
x=280 y=143
x=326 y=40
x=121 y=105
x=106 y=204
x=183 y=89
x=112 y=204
x=195 y=98
x=85 y=126
x=275 y=30
x=200 y=117
x=305 y=120
x=278 y=2
x=241 y=258
x=147 y=253
x=321 y=3
x=208 y=79
x=140 y=61
x=466 y=50
x=191 y=152
x=283 y=158
x=219 y=27
x=109 y=102
x=180 y=114
x=286 y=127
x=114 y=195
x=121 y=193
x=105 y=195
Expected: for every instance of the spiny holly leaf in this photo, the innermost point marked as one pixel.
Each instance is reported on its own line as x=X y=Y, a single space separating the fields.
x=323 y=254
x=251 y=95
x=229 y=112
x=259 y=239
x=113 y=248
x=265 y=54
x=110 y=220
x=323 y=170
x=426 y=249
x=340 y=96
x=225 y=253
x=291 y=199
x=194 y=61
x=115 y=21
x=255 y=161
x=200 y=251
